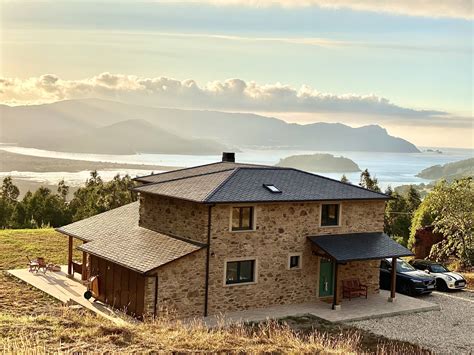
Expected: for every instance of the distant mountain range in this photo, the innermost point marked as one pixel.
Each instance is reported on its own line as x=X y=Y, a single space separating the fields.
x=100 y=126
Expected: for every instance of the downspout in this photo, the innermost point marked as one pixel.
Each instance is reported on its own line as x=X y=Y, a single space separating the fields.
x=208 y=255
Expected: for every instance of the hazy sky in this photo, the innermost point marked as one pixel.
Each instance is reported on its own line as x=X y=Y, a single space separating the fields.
x=406 y=65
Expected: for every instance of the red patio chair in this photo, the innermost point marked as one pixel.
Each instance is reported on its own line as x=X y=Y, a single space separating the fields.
x=32 y=265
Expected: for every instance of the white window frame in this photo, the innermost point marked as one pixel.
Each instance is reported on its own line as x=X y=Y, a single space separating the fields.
x=254 y=219
x=245 y=258
x=339 y=217
x=300 y=255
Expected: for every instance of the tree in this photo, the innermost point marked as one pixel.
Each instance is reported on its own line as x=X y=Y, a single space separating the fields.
x=9 y=191
x=368 y=182
x=63 y=189
x=97 y=197
x=399 y=213
x=453 y=206
x=397 y=218
x=345 y=179
x=8 y=201
x=413 y=198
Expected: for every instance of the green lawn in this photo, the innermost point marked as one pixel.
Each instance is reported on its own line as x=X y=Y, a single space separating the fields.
x=17 y=244
x=32 y=322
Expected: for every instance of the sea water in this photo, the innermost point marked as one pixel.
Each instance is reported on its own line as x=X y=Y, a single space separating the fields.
x=392 y=169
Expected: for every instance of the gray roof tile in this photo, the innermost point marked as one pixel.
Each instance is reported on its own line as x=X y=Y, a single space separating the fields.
x=116 y=236
x=360 y=246
x=193 y=171
x=246 y=184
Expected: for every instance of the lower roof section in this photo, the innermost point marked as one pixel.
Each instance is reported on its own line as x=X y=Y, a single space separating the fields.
x=359 y=246
x=116 y=236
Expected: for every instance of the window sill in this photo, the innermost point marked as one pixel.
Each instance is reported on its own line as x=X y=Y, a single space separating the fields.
x=243 y=231
x=330 y=226
x=241 y=284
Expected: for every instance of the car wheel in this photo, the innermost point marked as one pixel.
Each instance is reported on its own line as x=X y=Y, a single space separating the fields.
x=441 y=285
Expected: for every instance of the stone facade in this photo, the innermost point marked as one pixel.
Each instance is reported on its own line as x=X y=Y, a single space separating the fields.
x=171 y=216
x=366 y=271
x=280 y=230
x=181 y=287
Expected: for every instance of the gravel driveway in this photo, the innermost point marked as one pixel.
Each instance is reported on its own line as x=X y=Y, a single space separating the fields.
x=450 y=330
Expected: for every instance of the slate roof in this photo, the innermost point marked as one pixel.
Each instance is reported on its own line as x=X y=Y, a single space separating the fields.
x=360 y=246
x=239 y=184
x=193 y=171
x=116 y=236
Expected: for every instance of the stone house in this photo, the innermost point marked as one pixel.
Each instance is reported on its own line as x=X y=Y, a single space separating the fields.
x=230 y=236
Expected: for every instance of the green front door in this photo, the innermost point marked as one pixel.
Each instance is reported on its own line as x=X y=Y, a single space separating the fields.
x=325 y=277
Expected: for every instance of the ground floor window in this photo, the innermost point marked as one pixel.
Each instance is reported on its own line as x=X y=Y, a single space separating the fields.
x=294 y=261
x=242 y=271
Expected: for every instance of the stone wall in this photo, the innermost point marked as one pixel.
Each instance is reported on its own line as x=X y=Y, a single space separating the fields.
x=282 y=229
x=180 y=218
x=368 y=273
x=181 y=287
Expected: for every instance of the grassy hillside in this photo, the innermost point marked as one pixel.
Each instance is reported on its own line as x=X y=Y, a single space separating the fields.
x=33 y=322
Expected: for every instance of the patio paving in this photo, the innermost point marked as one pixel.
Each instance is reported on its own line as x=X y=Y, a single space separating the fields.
x=67 y=290
x=376 y=306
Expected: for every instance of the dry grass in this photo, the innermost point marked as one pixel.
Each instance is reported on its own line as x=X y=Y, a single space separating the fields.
x=469 y=276
x=32 y=322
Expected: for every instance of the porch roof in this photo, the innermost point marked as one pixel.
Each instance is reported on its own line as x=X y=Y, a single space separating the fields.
x=116 y=236
x=359 y=246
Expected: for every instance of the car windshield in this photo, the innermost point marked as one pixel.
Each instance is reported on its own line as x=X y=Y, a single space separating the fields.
x=438 y=268
x=403 y=266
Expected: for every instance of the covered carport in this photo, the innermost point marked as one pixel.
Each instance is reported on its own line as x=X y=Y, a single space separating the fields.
x=345 y=248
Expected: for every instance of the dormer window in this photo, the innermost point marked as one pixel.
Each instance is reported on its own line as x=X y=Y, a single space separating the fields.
x=272 y=188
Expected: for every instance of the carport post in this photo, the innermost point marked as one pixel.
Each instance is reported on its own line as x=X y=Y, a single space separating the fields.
x=393 y=279
x=335 y=298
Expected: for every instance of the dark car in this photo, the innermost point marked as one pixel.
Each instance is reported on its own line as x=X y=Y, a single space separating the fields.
x=445 y=279
x=410 y=281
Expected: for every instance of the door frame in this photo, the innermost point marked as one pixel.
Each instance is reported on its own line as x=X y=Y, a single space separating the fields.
x=332 y=277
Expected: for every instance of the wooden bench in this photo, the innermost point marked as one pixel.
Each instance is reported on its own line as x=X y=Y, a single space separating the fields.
x=353 y=288
x=76 y=267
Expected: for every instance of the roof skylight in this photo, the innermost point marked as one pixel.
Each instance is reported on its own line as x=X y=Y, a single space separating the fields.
x=272 y=188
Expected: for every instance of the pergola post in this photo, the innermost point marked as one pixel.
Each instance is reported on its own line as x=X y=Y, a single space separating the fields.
x=84 y=266
x=335 y=299
x=69 y=257
x=393 y=280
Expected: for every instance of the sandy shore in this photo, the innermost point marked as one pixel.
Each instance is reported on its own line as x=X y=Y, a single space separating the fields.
x=19 y=162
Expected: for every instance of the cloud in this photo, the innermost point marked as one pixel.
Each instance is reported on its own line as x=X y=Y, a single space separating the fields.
x=425 y=8
x=229 y=95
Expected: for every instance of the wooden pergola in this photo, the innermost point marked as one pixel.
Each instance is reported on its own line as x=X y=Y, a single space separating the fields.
x=73 y=266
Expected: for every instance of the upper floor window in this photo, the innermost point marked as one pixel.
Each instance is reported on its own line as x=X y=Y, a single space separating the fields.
x=242 y=218
x=330 y=215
